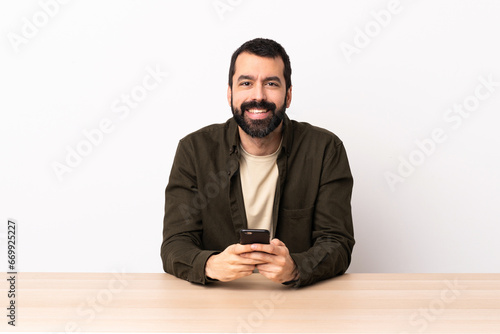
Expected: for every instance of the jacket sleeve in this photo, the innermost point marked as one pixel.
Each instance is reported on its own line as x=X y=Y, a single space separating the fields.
x=332 y=230
x=181 y=250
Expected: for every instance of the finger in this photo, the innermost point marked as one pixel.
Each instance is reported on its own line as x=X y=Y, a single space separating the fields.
x=253 y=262
x=261 y=257
x=237 y=272
x=267 y=268
x=254 y=258
x=269 y=271
x=277 y=242
x=242 y=268
x=265 y=248
x=240 y=249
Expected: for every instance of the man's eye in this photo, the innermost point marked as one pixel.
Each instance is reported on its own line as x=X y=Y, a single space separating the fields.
x=274 y=84
x=245 y=83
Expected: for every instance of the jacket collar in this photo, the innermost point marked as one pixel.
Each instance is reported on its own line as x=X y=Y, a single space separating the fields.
x=233 y=136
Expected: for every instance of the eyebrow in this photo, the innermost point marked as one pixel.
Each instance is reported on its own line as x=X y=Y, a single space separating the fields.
x=249 y=77
x=275 y=78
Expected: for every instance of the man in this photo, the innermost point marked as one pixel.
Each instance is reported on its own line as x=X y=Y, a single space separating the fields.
x=259 y=170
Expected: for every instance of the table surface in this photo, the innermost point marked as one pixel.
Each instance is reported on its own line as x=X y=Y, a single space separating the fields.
x=158 y=302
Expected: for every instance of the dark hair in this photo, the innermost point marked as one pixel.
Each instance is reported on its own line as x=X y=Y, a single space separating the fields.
x=263 y=47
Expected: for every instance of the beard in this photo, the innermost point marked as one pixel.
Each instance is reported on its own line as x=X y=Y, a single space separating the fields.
x=258 y=128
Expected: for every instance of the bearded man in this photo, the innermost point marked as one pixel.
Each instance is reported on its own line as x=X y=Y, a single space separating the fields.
x=259 y=170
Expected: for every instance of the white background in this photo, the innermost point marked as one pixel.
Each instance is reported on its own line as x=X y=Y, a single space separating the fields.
x=64 y=76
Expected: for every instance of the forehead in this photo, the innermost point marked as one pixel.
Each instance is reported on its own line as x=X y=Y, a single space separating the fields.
x=250 y=64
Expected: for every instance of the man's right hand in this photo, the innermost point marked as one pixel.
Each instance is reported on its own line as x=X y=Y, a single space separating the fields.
x=229 y=265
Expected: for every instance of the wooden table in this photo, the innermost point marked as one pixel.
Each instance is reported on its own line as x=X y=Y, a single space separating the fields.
x=353 y=303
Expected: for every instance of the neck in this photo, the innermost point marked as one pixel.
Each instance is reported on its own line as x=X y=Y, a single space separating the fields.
x=261 y=146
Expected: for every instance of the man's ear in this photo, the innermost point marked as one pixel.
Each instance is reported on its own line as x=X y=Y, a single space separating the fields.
x=229 y=94
x=289 y=97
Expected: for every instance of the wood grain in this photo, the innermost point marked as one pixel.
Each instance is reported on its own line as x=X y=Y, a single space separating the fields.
x=161 y=303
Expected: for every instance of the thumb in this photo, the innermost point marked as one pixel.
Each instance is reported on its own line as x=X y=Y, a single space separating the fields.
x=277 y=242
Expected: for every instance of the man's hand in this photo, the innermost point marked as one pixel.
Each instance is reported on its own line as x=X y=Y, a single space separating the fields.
x=276 y=262
x=231 y=264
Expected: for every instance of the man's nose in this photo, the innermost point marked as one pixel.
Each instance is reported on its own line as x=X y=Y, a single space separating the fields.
x=258 y=93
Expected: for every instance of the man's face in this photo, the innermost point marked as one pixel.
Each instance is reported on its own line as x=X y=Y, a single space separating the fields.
x=258 y=97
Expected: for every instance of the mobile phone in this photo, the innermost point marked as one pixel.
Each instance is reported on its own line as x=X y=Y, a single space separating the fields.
x=254 y=236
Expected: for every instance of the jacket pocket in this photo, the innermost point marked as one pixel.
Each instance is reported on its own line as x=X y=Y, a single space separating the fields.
x=295 y=229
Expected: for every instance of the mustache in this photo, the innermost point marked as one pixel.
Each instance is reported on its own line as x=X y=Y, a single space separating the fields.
x=258 y=105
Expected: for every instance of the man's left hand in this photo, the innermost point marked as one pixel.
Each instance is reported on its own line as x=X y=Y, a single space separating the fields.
x=279 y=266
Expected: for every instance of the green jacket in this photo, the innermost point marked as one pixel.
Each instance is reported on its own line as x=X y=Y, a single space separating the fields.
x=204 y=209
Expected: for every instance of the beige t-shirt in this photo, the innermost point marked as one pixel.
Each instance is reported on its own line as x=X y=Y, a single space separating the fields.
x=259 y=175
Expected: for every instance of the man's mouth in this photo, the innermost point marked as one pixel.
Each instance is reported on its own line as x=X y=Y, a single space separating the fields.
x=257 y=111
x=257 y=114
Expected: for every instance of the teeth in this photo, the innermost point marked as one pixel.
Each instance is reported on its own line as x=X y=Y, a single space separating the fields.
x=257 y=111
